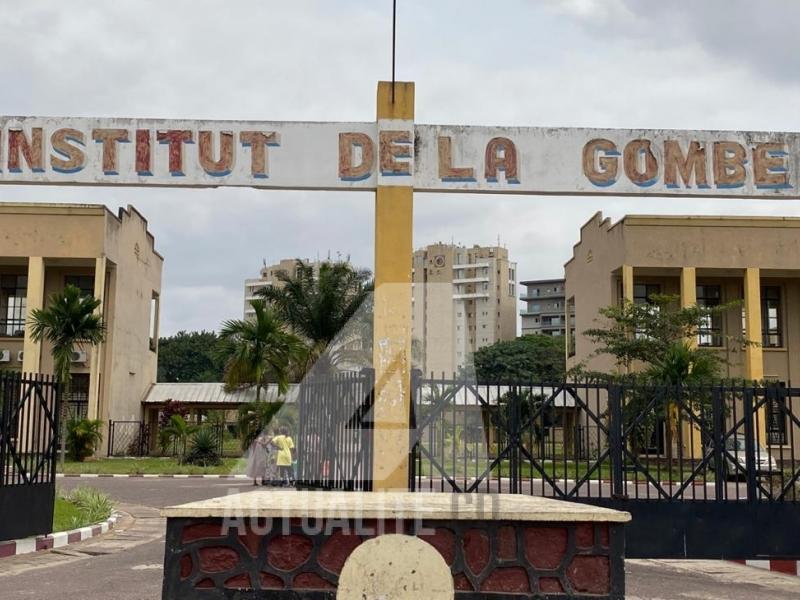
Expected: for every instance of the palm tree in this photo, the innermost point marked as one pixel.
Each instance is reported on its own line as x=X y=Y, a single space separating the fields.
x=324 y=310
x=70 y=321
x=258 y=349
x=177 y=432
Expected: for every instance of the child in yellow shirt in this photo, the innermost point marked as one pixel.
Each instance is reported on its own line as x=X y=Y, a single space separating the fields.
x=285 y=445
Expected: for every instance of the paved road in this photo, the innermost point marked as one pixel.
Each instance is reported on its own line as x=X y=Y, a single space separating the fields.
x=126 y=564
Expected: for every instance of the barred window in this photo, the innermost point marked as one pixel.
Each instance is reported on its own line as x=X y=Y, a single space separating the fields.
x=13 y=305
x=710 y=330
x=771 y=320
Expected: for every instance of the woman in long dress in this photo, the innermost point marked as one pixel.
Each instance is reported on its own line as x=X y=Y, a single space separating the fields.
x=257 y=457
x=271 y=476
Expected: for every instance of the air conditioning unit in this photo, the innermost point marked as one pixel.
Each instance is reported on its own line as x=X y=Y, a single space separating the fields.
x=5 y=355
x=78 y=357
x=20 y=355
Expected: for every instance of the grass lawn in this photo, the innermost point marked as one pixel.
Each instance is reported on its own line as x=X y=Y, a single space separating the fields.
x=560 y=470
x=65 y=514
x=150 y=466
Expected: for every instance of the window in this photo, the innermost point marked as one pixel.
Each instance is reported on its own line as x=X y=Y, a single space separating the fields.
x=85 y=283
x=13 y=304
x=710 y=331
x=772 y=335
x=776 y=421
x=643 y=292
x=79 y=400
x=154 y=322
x=570 y=322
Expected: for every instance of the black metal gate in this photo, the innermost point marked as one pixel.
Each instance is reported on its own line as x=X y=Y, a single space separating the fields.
x=707 y=472
x=334 y=444
x=28 y=448
x=128 y=438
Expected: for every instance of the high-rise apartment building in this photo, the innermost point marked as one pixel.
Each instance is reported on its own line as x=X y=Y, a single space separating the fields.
x=463 y=299
x=545 y=311
x=269 y=278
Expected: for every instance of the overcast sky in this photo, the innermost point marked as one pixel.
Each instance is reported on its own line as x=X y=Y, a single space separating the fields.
x=685 y=64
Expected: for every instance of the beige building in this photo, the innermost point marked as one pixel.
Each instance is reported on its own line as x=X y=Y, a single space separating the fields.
x=269 y=278
x=463 y=299
x=545 y=304
x=703 y=260
x=44 y=247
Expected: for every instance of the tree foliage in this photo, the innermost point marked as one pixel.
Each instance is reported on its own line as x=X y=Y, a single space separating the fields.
x=258 y=350
x=654 y=336
x=189 y=357
x=536 y=358
x=329 y=311
x=69 y=322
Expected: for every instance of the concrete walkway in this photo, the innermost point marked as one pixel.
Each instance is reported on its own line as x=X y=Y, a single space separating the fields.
x=127 y=563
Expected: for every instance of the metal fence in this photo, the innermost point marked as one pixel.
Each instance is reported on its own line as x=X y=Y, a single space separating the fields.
x=29 y=406
x=128 y=438
x=590 y=440
x=334 y=442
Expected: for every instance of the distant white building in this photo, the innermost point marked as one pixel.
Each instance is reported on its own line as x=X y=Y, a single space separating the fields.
x=464 y=298
x=269 y=278
x=546 y=309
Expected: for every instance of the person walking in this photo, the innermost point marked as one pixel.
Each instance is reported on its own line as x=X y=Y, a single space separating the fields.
x=257 y=458
x=271 y=474
x=284 y=443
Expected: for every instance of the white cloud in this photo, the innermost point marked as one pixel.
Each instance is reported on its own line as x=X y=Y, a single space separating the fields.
x=601 y=63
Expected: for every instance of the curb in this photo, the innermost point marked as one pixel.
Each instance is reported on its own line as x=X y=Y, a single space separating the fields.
x=145 y=476
x=787 y=567
x=55 y=540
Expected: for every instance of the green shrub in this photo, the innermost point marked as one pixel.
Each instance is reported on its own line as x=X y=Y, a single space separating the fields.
x=83 y=437
x=204 y=449
x=92 y=505
x=177 y=433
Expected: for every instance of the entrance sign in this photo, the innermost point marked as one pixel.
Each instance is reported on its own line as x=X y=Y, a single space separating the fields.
x=396 y=152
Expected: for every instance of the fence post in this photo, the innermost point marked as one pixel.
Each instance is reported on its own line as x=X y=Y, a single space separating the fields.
x=368 y=429
x=616 y=454
x=717 y=409
x=416 y=377
x=750 y=444
x=110 y=437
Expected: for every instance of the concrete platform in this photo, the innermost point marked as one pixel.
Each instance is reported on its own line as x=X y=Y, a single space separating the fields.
x=292 y=544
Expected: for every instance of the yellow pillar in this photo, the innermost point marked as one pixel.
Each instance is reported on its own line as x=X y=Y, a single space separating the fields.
x=627 y=283
x=689 y=291
x=32 y=351
x=754 y=354
x=393 y=253
x=692 y=438
x=97 y=351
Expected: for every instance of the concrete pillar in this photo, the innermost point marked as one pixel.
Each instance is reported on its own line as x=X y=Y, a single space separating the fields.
x=627 y=282
x=754 y=353
x=754 y=356
x=692 y=436
x=688 y=287
x=32 y=351
x=393 y=256
x=96 y=362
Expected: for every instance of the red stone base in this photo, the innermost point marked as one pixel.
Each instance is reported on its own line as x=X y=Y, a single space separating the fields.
x=263 y=558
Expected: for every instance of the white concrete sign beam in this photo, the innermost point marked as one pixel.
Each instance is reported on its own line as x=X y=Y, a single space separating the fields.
x=359 y=156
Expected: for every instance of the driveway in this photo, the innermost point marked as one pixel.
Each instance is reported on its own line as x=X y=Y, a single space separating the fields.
x=127 y=564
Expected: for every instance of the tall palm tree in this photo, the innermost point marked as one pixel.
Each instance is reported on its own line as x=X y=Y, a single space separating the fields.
x=69 y=321
x=324 y=310
x=258 y=349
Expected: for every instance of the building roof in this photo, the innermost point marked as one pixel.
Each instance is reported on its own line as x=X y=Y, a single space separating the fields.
x=212 y=393
x=541 y=281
